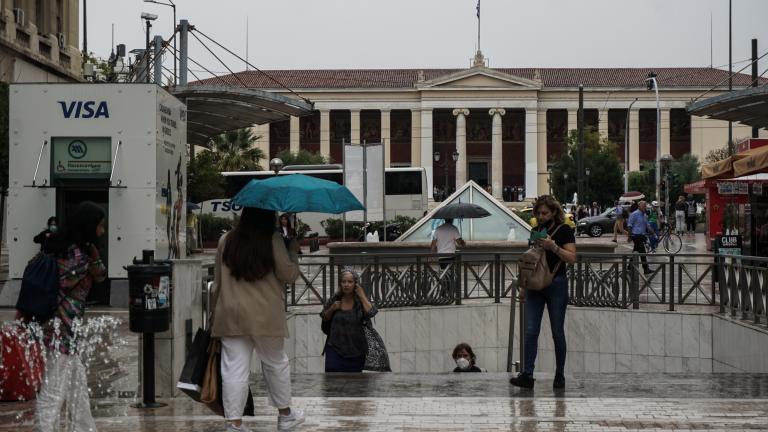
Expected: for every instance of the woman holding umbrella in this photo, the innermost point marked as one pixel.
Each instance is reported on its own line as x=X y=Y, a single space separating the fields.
x=251 y=270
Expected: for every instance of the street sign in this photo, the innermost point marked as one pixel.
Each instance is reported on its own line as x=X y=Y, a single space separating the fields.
x=729 y=245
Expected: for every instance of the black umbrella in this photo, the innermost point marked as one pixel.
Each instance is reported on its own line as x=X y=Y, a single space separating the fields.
x=461 y=211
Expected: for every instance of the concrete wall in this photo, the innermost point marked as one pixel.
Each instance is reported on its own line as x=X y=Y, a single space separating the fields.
x=421 y=340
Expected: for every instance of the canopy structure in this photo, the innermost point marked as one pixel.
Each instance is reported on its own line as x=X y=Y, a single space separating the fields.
x=754 y=163
x=726 y=168
x=501 y=225
x=212 y=110
x=748 y=106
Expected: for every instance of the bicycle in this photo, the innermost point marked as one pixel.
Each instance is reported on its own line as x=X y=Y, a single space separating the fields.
x=669 y=240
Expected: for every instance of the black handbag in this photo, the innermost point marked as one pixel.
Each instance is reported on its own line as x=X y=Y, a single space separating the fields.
x=191 y=379
x=377 y=358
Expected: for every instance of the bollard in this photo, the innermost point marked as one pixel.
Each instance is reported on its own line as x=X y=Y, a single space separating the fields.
x=149 y=286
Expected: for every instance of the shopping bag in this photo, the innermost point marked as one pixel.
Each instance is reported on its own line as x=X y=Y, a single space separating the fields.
x=377 y=358
x=21 y=364
x=191 y=379
x=211 y=388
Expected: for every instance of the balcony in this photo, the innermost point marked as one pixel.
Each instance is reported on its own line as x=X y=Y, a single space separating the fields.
x=44 y=48
x=22 y=38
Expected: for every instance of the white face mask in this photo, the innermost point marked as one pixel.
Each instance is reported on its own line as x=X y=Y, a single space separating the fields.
x=462 y=363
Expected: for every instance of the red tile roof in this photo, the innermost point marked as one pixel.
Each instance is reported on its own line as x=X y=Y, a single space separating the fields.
x=550 y=77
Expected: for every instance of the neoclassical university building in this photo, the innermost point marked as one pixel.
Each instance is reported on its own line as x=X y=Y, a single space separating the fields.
x=506 y=124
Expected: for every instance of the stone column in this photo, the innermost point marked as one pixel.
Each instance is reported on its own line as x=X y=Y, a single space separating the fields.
x=262 y=141
x=295 y=137
x=531 y=163
x=602 y=125
x=426 y=149
x=325 y=133
x=573 y=120
x=541 y=156
x=354 y=125
x=461 y=146
x=385 y=136
x=634 y=140
x=415 y=138
x=665 y=137
x=497 y=171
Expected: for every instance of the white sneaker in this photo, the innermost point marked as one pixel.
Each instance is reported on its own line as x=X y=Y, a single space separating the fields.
x=233 y=428
x=288 y=422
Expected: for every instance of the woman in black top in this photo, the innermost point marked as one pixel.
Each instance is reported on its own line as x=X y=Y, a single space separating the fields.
x=46 y=237
x=465 y=359
x=560 y=248
x=347 y=311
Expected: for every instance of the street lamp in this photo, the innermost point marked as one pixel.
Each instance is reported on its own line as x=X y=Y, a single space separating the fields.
x=276 y=165
x=653 y=84
x=148 y=17
x=565 y=187
x=626 y=149
x=666 y=160
x=171 y=4
x=446 y=162
x=586 y=195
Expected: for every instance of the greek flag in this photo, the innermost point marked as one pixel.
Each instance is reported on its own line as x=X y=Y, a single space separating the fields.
x=478 y=8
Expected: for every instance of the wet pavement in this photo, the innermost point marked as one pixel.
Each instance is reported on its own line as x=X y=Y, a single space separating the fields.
x=453 y=402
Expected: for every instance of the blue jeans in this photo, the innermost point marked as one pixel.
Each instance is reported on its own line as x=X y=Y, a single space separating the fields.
x=555 y=298
x=654 y=239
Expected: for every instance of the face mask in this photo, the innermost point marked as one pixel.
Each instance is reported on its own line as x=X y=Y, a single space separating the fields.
x=462 y=363
x=52 y=228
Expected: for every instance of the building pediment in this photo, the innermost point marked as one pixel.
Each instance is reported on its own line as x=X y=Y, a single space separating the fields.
x=479 y=78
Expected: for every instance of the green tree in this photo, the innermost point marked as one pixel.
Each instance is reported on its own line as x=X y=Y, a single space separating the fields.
x=643 y=182
x=605 y=181
x=205 y=182
x=302 y=157
x=683 y=170
x=718 y=154
x=235 y=152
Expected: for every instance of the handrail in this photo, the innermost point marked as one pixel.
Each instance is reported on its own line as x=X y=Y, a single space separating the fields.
x=37 y=166
x=114 y=163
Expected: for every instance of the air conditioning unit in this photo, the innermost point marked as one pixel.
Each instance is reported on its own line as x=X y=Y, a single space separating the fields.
x=18 y=16
x=62 y=40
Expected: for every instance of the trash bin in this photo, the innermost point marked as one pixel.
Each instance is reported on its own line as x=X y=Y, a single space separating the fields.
x=314 y=241
x=149 y=284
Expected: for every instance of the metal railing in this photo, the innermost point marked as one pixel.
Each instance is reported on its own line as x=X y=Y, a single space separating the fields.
x=737 y=285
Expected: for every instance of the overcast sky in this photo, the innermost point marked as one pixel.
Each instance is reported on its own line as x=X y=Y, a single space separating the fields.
x=314 y=34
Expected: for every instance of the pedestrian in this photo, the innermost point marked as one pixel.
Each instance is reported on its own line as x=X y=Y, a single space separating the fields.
x=65 y=379
x=639 y=228
x=618 y=227
x=691 y=214
x=595 y=209
x=251 y=269
x=345 y=315
x=445 y=240
x=560 y=247
x=681 y=210
x=582 y=212
x=654 y=215
x=45 y=237
x=465 y=358
x=288 y=233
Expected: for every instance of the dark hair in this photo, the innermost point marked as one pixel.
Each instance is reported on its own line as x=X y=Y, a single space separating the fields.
x=464 y=347
x=82 y=223
x=53 y=219
x=558 y=215
x=449 y=221
x=248 y=250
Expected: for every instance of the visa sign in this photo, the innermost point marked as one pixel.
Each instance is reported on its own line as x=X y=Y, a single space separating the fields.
x=84 y=109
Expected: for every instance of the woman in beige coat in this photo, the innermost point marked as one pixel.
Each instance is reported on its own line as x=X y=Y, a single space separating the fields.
x=252 y=268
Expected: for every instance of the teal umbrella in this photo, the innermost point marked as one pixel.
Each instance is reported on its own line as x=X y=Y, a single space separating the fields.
x=297 y=193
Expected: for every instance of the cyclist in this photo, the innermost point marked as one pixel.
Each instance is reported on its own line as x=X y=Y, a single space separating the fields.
x=654 y=215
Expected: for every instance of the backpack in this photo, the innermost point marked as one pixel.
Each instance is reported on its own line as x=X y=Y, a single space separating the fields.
x=533 y=269
x=39 y=295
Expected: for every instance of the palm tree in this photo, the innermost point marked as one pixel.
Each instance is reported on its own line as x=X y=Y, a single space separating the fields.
x=235 y=151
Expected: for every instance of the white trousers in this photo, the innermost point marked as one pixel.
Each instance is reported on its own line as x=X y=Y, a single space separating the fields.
x=236 y=354
x=65 y=381
x=679 y=221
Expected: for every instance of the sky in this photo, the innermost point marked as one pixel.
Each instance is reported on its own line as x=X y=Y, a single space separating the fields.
x=324 y=34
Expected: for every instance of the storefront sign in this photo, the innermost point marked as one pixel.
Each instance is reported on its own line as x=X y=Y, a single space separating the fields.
x=729 y=245
x=732 y=188
x=81 y=156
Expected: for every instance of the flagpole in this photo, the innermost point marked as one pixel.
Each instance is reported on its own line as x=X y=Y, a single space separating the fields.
x=478 y=25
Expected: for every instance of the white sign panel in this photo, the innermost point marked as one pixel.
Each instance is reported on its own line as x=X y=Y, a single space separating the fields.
x=367 y=185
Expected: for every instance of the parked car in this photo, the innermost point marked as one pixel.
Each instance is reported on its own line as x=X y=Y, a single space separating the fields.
x=596 y=226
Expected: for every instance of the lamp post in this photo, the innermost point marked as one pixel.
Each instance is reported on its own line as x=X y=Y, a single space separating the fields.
x=276 y=165
x=586 y=189
x=148 y=17
x=666 y=161
x=171 y=4
x=565 y=187
x=445 y=163
x=653 y=84
x=626 y=149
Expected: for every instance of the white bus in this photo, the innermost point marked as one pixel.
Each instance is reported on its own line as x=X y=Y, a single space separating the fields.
x=405 y=189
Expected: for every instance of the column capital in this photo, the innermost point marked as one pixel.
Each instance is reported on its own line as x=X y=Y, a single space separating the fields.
x=494 y=111
x=462 y=111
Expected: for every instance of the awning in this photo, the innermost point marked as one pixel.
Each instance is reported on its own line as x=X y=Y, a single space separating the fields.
x=754 y=163
x=726 y=167
x=212 y=110
x=748 y=106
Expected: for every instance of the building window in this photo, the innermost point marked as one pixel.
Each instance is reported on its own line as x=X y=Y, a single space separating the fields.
x=679 y=132
x=513 y=148
x=400 y=138
x=617 y=130
x=557 y=133
x=309 y=132
x=370 y=126
x=341 y=132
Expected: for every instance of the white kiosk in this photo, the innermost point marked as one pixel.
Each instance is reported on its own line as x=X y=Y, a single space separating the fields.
x=122 y=146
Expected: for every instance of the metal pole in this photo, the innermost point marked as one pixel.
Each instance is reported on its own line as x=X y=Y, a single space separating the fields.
x=580 y=163
x=147 y=57
x=731 y=150
x=85 y=27
x=626 y=149
x=384 y=189
x=175 y=61
x=365 y=188
x=344 y=181
x=183 y=53
x=658 y=139
x=755 y=130
x=158 y=42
